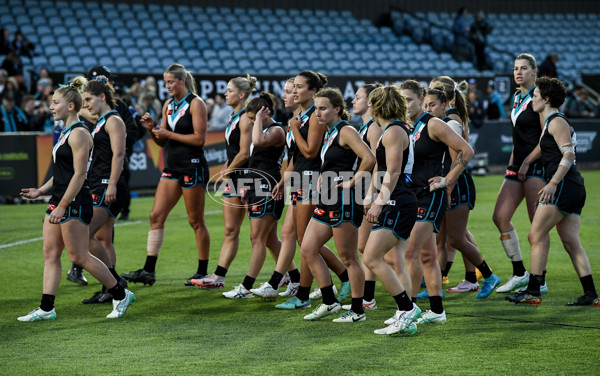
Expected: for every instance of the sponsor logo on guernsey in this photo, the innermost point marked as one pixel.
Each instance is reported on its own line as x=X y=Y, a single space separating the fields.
x=105 y=181
x=195 y=160
x=319 y=211
x=510 y=173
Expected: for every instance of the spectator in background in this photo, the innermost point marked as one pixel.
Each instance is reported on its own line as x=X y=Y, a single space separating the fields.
x=13 y=119
x=39 y=115
x=14 y=67
x=3 y=78
x=22 y=46
x=461 y=30
x=149 y=86
x=579 y=107
x=479 y=32
x=149 y=103
x=210 y=104
x=11 y=87
x=135 y=91
x=5 y=41
x=476 y=111
x=494 y=108
x=548 y=67
x=473 y=87
x=220 y=113
x=43 y=89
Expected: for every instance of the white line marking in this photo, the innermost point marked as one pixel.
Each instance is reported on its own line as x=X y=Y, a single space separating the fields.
x=20 y=242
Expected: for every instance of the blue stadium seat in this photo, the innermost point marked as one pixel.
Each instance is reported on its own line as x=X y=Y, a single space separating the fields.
x=289 y=65
x=198 y=64
x=57 y=62
x=74 y=63
x=209 y=54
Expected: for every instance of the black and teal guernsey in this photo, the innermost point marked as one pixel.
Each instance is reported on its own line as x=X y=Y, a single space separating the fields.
x=181 y=157
x=452 y=111
x=526 y=127
x=431 y=158
x=335 y=157
x=267 y=159
x=290 y=143
x=101 y=159
x=301 y=163
x=363 y=132
x=401 y=189
x=551 y=154
x=63 y=170
x=232 y=136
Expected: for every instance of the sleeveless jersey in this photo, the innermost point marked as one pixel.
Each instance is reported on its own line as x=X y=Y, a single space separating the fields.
x=232 y=135
x=363 y=132
x=181 y=156
x=526 y=127
x=290 y=143
x=62 y=167
x=335 y=157
x=301 y=163
x=101 y=158
x=452 y=111
x=431 y=158
x=267 y=159
x=551 y=154
x=401 y=185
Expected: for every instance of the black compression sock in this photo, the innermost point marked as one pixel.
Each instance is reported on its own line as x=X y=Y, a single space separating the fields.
x=369 y=291
x=518 y=268
x=344 y=276
x=248 y=282
x=303 y=293
x=275 y=280
x=484 y=269
x=47 y=302
x=357 y=306
x=221 y=271
x=447 y=269
x=533 y=287
x=329 y=296
x=435 y=304
x=294 y=275
x=202 y=267
x=544 y=277
x=117 y=292
x=150 y=265
x=587 y=282
x=114 y=273
x=471 y=277
x=403 y=302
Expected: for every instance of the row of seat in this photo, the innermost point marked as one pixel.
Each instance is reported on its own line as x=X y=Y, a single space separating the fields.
x=148 y=37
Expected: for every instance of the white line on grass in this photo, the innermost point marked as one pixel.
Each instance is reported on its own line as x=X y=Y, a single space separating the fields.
x=20 y=242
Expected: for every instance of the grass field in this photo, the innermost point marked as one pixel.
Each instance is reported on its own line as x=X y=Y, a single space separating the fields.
x=172 y=329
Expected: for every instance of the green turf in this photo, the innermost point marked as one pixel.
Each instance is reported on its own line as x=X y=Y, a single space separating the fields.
x=176 y=330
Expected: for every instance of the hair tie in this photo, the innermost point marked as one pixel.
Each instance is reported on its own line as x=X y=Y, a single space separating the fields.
x=456 y=88
x=69 y=85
